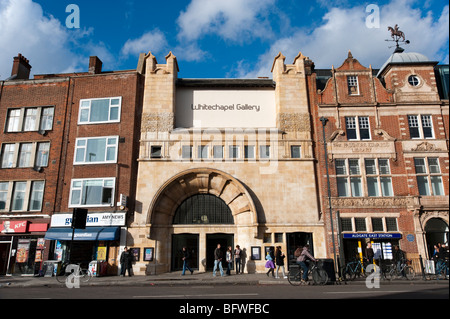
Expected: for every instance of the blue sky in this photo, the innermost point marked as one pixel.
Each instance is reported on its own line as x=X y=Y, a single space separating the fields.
x=215 y=38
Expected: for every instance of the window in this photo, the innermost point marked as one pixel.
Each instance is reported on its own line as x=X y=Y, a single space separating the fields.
x=25 y=154
x=3 y=195
x=350 y=185
x=391 y=224
x=346 y=224
x=8 y=155
x=429 y=179
x=357 y=127
x=203 y=151
x=92 y=192
x=295 y=151
x=155 y=152
x=203 y=209
x=377 y=184
x=37 y=195
x=42 y=154
x=264 y=151
x=352 y=83
x=18 y=197
x=420 y=127
x=186 y=152
x=100 y=111
x=249 y=151
x=377 y=224
x=218 y=151
x=96 y=150
x=30 y=119
x=360 y=224
x=278 y=237
x=413 y=80
x=233 y=151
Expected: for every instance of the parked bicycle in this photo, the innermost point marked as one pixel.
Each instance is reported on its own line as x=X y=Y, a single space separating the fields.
x=395 y=272
x=441 y=271
x=315 y=271
x=76 y=270
x=354 y=269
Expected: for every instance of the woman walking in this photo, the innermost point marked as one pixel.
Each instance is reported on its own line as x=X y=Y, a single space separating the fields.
x=270 y=264
x=229 y=259
x=279 y=260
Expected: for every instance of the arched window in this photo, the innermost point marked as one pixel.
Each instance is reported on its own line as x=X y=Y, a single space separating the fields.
x=203 y=209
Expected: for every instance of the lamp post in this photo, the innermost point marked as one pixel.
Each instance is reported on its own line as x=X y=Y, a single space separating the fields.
x=324 y=123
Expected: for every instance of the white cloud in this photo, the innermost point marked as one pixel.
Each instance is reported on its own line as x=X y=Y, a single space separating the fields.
x=344 y=29
x=233 y=20
x=154 y=41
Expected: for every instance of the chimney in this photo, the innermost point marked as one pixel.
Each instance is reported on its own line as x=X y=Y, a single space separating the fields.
x=21 y=68
x=95 y=65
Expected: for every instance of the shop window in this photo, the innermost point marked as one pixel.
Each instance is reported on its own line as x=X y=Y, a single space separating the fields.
x=104 y=110
x=295 y=151
x=420 y=126
x=391 y=224
x=360 y=224
x=428 y=175
x=92 y=192
x=357 y=128
x=95 y=150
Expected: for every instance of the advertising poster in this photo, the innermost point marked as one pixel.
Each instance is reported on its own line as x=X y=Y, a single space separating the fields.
x=101 y=253
x=23 y=249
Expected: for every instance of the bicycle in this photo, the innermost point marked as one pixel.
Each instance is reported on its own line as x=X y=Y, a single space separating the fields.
x=403 y=271
x=83 y=274
x=315 y=270
x=353 y=269
x=441 y=271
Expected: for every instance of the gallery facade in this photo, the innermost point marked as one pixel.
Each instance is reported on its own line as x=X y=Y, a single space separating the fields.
x=225 y=161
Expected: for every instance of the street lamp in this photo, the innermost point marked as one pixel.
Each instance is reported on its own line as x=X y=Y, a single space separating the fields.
x=324 y=123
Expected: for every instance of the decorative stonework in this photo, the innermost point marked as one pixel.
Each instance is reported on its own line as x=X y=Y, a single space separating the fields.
x=425 y=147
x=294 y=122
x=391 y=202
x=157 y=122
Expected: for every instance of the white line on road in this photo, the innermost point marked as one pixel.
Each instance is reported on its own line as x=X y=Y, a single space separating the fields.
x=365 y=292
x=200 y=295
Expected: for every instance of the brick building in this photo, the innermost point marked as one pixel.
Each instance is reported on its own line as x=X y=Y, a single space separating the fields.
x=386 y=134
x=92 y=163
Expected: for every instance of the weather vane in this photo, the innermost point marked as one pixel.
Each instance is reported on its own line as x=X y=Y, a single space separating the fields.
x=397 y=37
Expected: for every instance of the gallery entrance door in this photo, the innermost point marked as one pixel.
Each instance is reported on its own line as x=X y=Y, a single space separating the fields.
x=212 y=240
x=190 y=241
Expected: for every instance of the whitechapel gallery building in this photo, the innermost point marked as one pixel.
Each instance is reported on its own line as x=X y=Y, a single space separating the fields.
x=226 y=161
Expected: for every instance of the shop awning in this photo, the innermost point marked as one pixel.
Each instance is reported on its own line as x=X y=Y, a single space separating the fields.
x=88 y=234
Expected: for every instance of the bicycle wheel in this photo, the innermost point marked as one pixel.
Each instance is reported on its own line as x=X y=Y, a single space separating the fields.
x=320 y=276
x=295 y=277
x=409 y=272
x=391 y=274
x=85 y=275
x=348 y=273
x=61 y=276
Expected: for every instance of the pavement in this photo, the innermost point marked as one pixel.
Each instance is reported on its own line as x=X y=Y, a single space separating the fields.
x=175 y=279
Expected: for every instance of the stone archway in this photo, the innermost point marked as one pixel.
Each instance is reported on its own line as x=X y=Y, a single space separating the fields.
x=203 y=181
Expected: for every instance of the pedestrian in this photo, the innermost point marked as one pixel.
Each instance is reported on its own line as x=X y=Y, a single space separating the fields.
x=186 y=258
x=126 y=258
x=270 y=262
x=399 y=258
x=369 y=253
x=218 y=256
x=279 y=260
x=229 y=259
x=303 y=261
x=237 y=259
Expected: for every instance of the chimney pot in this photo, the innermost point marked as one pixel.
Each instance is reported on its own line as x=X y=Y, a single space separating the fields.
x=95 y=65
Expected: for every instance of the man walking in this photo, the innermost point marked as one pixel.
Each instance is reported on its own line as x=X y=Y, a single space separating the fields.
x=126 y=258
x=218 y=256
x=186 y=257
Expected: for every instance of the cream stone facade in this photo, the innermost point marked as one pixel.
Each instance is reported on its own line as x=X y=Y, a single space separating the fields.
x=258 y=165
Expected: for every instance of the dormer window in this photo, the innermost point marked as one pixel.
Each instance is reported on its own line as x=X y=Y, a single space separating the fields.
x=352 y=83
x=413 y=80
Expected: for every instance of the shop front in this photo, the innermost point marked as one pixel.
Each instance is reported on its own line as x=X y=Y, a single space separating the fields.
x=355 y=245
x=98 y=244
x=22 y=247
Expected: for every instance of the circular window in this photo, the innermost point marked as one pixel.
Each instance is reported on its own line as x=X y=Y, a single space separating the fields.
x=413 y=80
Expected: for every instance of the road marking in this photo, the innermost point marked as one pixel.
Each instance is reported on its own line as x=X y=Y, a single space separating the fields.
x=199 y=295
x=366 y=291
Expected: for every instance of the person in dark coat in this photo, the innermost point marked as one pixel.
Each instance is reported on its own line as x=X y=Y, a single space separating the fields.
x=186 y=258
x=279 y=261
x=126 y=258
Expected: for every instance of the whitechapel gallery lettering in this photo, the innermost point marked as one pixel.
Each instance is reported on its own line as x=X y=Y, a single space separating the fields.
x=231 y=107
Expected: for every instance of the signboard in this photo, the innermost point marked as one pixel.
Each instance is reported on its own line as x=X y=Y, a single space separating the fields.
x=197 y=108
x=373 y=236
x=9 y=227
x=93 y=219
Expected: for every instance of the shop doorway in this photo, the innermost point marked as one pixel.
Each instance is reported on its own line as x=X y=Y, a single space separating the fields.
x=190 y=241
x=212 y=240
x=4 y=257
x=436 y=233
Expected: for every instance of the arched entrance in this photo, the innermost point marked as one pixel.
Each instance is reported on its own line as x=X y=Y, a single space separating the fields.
x=436 y=231
x=199 y=206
